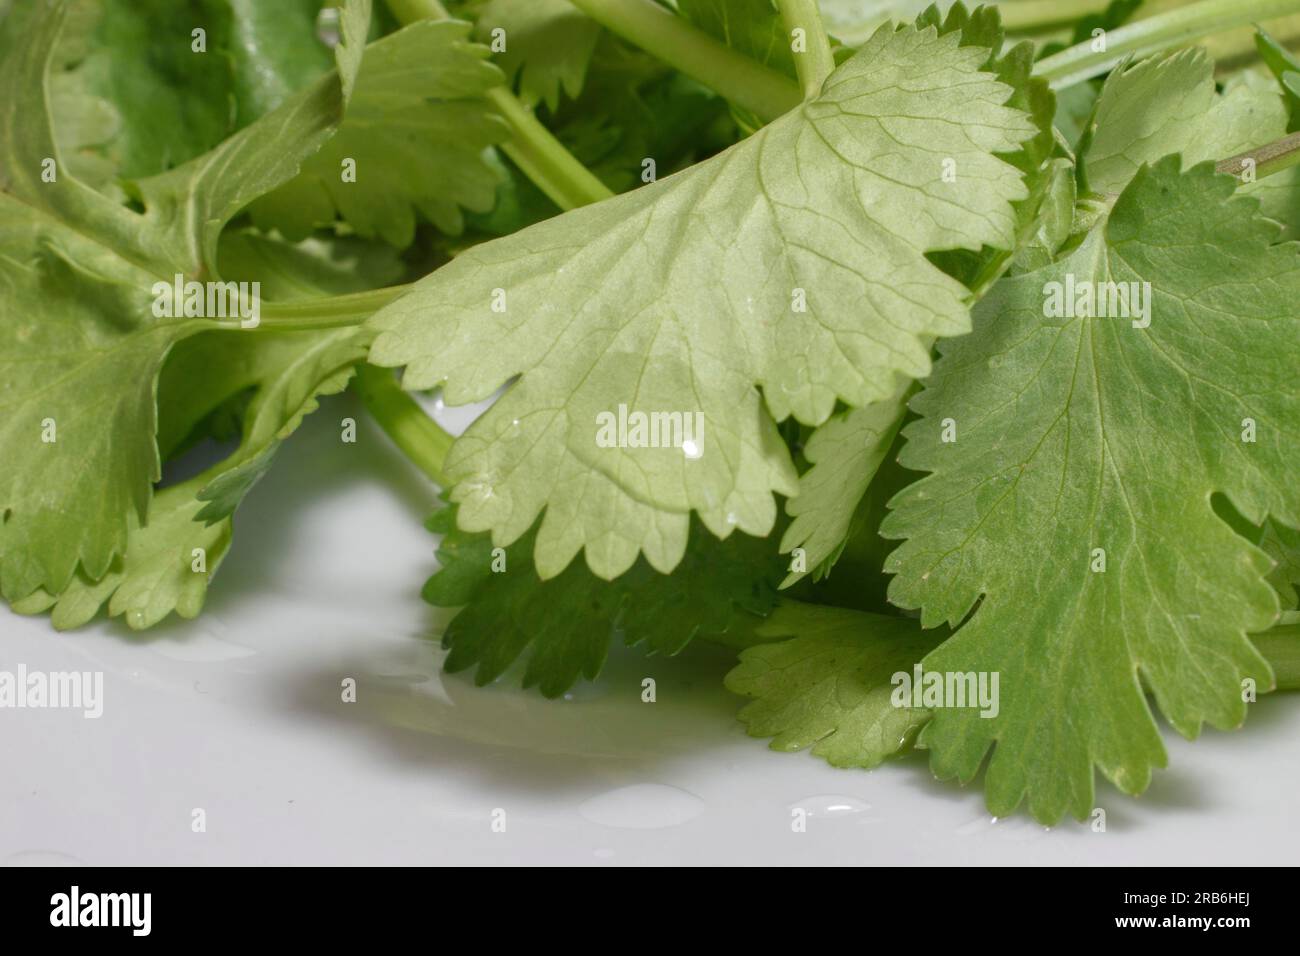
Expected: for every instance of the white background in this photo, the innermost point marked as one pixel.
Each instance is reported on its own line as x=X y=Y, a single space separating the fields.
x=239 y=713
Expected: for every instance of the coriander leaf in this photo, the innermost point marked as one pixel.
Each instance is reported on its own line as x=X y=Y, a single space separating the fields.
x=566 y=623
x=79 y=364
x=548 y=46
x=85 y=122
x=858 y=580
x=830 y=687
x=1170 y=105
x=1286 y=68
x=1054 y=217
x=1074 y=506
x=845 y=453
x=983 y=29
x=274 y=51
x=1167 y=105
x=794 y=261
x=80 y=347
x=172 y=102
x=157 y=573
x=188 y=206
x=413 y=139
x=848 y=449
x=285 y=373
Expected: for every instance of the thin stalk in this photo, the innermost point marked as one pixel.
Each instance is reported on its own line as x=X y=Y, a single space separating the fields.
x=532 y=147
x=333 y=312
x=750 y=85
x=1031 y=16
x=419 y=437
x=1175 y=28
x=1274 y=157
x=543 y=159
x=815 y=62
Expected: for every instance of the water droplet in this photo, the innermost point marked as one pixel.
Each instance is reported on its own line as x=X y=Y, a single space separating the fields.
x=642 y=806
x=731 y=517
x=831 y=806
x=690 y=449
x=327 y=27
x=479 y=488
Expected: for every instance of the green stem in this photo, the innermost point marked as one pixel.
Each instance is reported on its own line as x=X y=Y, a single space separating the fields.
x=815 y=62
x=543 y=159
x=1281 y=648
x=309 y=315
x=334 y=312
x=1031 y=16
x=419 y=437
x=1175 y=28
x=750 y=85
x=532 y=147
x=1276 y=156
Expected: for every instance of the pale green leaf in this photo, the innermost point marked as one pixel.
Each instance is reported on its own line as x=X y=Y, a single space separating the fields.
x=848 y=449
x=413 y=140
x=548 y=46
x=844 y=453
x=685 y=295
x=1166 y=105
x=831 y=687
x=285 y=372
x=156 y=573
x=1054 y=219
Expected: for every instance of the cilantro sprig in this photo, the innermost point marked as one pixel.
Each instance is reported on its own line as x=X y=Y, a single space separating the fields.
x=780 y=317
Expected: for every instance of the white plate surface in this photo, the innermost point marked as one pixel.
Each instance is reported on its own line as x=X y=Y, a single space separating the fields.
x=239 y=713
